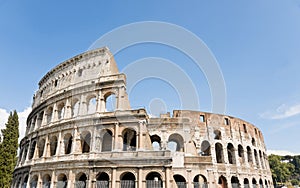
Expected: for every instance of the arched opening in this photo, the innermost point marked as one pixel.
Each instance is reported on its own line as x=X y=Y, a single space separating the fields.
x=75 y=108
x=92 y=103
x=249 y=155
x=156 y=142
x=32 y=149
x=253 y=142
x=25 y=181
x=180 y=181
x=49 y=115
x=61 y=111
x=231 y=154
x=222 y=182
x=86 y=142
x=256 y=158
x=266 y=184
x=261 y=184
x=107 y=141
x=175 y=143
x=81 y=180
x=205 y=148
x=200 y=181
x=219 y=153
x=46 y=181
x=218 y=135
x=62 y=181
x=127 y=180
x=129 y=140
x=53 y=145
x=154 y=180
x=41 y=147
x=40 y=119
x=261 y=160
x=33 y=182
x=235 y=182
x=254 y=183
x=246 y=183
x=68 y=140
x=110 y=103
x=19 y=182
x=102 y=180
x=25 y=153
x=241 y=154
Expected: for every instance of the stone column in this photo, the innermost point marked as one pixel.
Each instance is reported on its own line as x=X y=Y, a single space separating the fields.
x=114 y=177
x=140 y=178
x=68 y=109
x=116 y=138
x=47 y=147
x=55 y=113
x=225 y=154
x=59 y=144
x=167 y=177
x=44 y=119
x=40 y=181
x=91 y=179
x=189 y=181
x=76 y=144
x=53 y=180
x=98 y=105
x=83 y=106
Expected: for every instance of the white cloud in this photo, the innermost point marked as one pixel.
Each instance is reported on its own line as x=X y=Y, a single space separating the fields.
x=281 y=152
x=282 y=112
x=22 y=120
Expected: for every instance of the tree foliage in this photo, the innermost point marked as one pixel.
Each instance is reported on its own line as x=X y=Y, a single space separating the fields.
x=8 y=149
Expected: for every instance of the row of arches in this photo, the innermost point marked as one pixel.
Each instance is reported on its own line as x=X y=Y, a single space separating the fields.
x=38 y=148
x=235 y=182
x=68 y=109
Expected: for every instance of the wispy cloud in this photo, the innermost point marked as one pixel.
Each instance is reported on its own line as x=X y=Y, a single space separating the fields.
x=22 y=120
x=282 y=112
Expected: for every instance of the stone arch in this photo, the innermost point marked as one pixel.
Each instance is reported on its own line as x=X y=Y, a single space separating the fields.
x=34 y=181
x=235 y=183
x=253 y=142
x=53 y=145
x=266 y=184
x=41 y=147
x=129 y=139
x=25 y=153
x=68 y=140
x=261 y=159
x=25 y=181
x=40 y=119
x=217 y=135
x=156 y=142
x=249 y=155
x=19 y=182
x=254 y=183
x=81 y=180
x=32 y=150
x=49 y=114
x=261 y=184
x=91 y=104
x=219 y=153
x=62 y=181
x=86 y=142
x=200 y=181
x=102 y=180
x=61 y=110
x=180 y=181
x=110 y=100
x=205 y=148
x=256 y=158
x=75 y=107
x=246 y=183
x=154 y=180
x=222 y=181
x=107 y=140
x=241 y=153
x=231 y=154
x=176 y=143
x=127 y=180
x=46 y=181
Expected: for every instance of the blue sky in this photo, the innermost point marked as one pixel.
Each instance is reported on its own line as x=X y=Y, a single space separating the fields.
x=256 y=44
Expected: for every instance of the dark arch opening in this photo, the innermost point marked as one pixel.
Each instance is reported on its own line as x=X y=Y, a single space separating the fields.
x=32 y=150
x=33 y=182
x=102 y=180
x=205 y=148
x=235 y=183
x=68 y=140
x=107 y=141
x=222 y=182
x=219 y=153
x=46 y=181
x=154 y=180
x=231 y=154
x=86 y=142
x=246 y=183
x=156 y=142
x=127 y=180
x=53 y=145
x=129 y=140
x=200 y=181
x=180 y=181
x=62 y=181
x=176 y=143
x=81 y=181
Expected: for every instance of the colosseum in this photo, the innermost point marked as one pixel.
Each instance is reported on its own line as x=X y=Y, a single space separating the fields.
x=76 y=137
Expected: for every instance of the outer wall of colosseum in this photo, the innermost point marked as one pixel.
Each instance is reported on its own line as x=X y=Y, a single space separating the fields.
x=76 y=137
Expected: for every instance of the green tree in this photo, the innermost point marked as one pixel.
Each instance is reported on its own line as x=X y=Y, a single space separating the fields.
x=281 y=171
x=8 y=149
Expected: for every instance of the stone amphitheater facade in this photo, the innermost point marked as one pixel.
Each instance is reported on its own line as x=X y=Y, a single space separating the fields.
x=73 y=139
